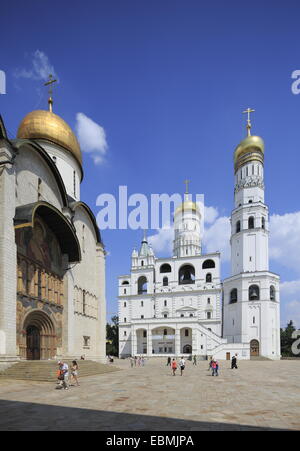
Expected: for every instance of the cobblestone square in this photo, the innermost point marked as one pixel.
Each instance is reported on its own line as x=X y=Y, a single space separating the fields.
x=259 y=395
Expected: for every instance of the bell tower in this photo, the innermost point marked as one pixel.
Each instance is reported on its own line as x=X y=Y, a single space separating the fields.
x=251 y=294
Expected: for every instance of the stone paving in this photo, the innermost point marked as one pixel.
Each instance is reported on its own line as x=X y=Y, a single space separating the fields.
x=259 y=395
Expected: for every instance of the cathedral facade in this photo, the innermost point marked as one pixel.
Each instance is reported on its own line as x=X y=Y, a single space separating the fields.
x=180 y=306
x=52 y=259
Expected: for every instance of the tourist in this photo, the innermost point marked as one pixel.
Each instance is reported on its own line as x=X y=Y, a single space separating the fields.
x=210 y=364
x=74 y=372
x=169 y=361
x=135 y=359
x=174 y=366
x=131 y=361
x=217 y=368
x=182 y=365
x=195 y=360
x=60 y=376
x=234 y=362
x=64 y=368
x=142 y=361
x=213 y=367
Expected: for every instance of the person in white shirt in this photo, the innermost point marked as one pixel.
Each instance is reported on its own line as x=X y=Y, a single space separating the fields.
x=182 y=365
x=64 y=367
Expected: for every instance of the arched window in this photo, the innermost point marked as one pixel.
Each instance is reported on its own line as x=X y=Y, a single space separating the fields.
x=208 y=264
x=142 y=262
x=263 y=223
x=251 y=222
x=125 y=282
x=186 y=275
x=124 y=290
x=272 y=293
x=142 y=285
x=208 y=314
x=191 y=315
x=165 y=281
x=208 y=278
x=254 y=293
x=165 y=268
x=233 y=296
x=238 y=227
x=165 y=303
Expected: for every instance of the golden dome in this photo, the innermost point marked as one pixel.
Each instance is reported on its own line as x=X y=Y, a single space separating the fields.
x=250 y=149
x=42 y=124
x=187 y=205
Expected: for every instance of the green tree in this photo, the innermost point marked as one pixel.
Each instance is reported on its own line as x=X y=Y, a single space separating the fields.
x=112 y=336
x=287 y=340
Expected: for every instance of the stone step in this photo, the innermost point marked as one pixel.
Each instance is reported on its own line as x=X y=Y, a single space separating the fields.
x=47 y=370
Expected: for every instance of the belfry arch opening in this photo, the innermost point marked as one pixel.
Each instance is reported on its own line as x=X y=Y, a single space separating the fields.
x=186 y=275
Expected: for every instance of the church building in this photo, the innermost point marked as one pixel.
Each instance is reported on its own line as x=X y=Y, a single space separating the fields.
x=52 y=258
x=180 y=306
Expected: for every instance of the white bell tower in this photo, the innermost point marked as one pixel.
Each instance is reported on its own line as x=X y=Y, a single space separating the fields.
x=251 y=294
x=187 y=227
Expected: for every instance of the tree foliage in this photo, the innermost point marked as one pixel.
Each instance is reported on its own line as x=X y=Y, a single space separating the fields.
x=112 y=336
x=287 y=340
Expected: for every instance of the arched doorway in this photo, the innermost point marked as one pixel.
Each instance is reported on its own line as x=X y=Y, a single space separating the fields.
x=33 y=343
x=41 y=340
x=254 y=348
x=187 y=349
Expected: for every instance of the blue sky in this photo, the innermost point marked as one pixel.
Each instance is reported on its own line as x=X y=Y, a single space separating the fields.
x=167 y=82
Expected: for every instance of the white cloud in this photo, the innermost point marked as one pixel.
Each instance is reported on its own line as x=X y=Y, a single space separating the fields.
x=40 y=68
x=290 y=302
x=92 y=137
x=217 y=236
x=162 y=241
x=210 y=214
x=285 y=240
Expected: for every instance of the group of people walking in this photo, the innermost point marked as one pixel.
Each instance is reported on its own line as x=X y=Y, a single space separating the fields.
x=137 y=361
x=214 y=365
x=63 y=375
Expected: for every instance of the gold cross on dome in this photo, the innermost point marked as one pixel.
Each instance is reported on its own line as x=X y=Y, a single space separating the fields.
x=50 y=83
x=187 y=186
x=248 y=126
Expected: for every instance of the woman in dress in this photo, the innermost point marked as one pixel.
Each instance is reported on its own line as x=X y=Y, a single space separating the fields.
x=74 y=372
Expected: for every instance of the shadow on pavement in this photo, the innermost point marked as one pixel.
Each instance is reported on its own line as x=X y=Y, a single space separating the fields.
x=17 y=416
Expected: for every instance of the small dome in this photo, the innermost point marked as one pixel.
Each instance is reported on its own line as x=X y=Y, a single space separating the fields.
x=187 y=205
x=250 y=149
x=42 y=124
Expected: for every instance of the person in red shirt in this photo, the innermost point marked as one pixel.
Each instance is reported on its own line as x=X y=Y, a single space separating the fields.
x=174 y=366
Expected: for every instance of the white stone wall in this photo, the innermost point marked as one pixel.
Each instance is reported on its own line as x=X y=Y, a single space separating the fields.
x=8 y=256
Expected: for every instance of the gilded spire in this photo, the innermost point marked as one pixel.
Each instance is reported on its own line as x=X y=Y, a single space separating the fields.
x=186 y=194
x=248 y=126
x=49 y=83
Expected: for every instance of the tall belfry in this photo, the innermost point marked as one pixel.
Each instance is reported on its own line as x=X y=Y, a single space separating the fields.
x=251 y=294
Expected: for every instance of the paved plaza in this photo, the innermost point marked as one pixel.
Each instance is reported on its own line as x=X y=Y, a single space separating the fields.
x=259 y=395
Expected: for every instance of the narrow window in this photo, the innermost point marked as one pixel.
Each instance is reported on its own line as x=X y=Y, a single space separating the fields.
x=208 y=315
x=186 y=332
x=125 y=333
x=124 y=304
x=251 y=222
x=142 y=316
x=74 y=183
x=144 y=333
x=142 y=303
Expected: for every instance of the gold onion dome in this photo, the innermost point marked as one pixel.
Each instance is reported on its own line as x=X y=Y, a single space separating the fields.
x=43 y=124
x=187 y=205
x=250 y=149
